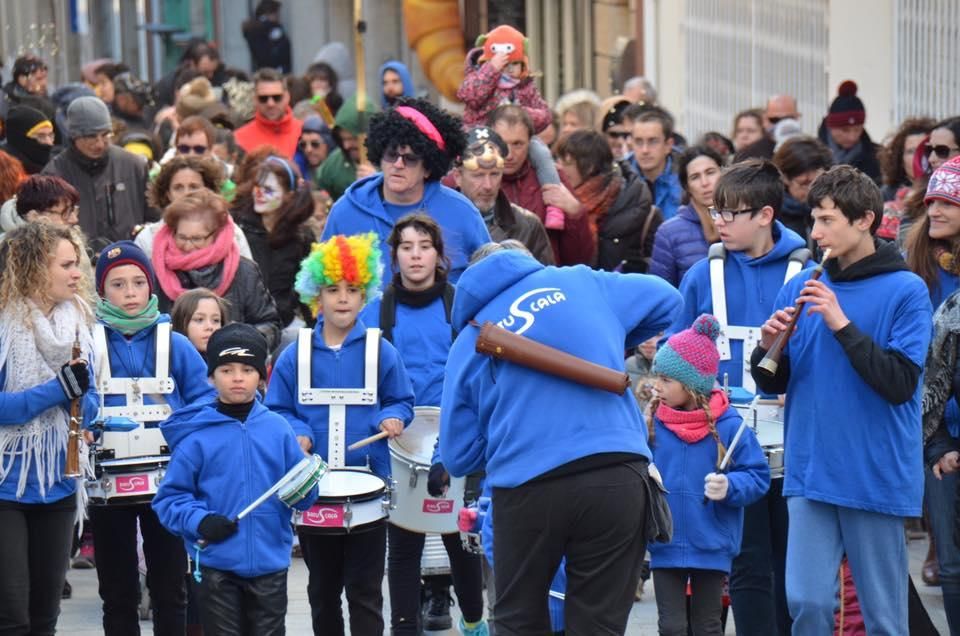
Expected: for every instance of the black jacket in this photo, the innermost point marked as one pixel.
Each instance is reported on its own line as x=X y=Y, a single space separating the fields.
x=268 y=43
x=866 y=160
x=621 y=243
x=250 y=302
x=510 y=221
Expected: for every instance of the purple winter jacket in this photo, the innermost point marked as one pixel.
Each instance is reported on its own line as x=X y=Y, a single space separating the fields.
x=678 y=245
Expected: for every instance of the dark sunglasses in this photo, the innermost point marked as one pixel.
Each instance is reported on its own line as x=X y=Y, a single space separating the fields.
x=184 y=149
x=410 y=160
x=943 y=152
x=263 y=99
x=311 y=143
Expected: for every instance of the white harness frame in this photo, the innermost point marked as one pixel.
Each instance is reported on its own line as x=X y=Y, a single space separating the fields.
x=337 y=399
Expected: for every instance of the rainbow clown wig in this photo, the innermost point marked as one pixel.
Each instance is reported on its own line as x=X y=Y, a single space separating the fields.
x=355 y=259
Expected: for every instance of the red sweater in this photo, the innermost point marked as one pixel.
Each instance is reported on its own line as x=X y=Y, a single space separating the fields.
x=282 y=134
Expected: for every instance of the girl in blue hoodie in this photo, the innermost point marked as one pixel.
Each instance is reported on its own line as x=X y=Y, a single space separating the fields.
x=691 y=428
x=130 y=321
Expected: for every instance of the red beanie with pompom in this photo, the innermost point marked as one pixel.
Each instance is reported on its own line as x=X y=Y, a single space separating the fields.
x=846 y=109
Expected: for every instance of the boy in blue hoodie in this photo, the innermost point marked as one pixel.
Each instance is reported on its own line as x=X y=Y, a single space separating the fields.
x=853 y=450
x=225 y=454
x=338 y=277
x=567 y=462
x=738 y=283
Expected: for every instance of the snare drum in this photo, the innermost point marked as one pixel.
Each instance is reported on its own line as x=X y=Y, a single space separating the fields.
x=351 y=500
x=410 y=454
x=765 y=417
x=127 y=481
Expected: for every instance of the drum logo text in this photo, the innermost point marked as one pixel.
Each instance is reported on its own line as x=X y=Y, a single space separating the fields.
x=133 y=483
x=328 y=515
x=438 y=506
x=523 y=310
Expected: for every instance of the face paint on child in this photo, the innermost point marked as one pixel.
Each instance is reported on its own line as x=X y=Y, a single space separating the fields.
x=267 y=195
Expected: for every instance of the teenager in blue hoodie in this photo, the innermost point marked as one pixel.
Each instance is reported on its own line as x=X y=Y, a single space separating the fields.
x=758 y=255
x=338 y=277
x=226 y=452
x=414 y=314
x=414 y=145
x=566 y=461
x=42 y=314
x=129 y=318
x=851 y=370
x=692 y=428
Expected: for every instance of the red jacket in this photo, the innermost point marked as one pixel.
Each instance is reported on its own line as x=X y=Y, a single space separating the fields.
x=282 y=135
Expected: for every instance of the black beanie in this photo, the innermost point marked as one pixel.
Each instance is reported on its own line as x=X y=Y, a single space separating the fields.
x=237 y=342
x=20 y=121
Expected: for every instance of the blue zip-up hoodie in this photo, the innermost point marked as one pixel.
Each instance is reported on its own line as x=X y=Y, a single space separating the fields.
x=706 y=536
x=400 y=69
x=331 y=369
x=751 y=285
x=520 y=423
x=21 y=407
x=422 y=337
x=361 y=209
x=844 y=443
x=219 y=466
x=135 y=357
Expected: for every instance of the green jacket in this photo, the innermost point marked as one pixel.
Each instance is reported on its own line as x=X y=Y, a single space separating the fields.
x=337 y=172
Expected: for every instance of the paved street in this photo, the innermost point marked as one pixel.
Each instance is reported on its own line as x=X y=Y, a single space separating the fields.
x=81 y=614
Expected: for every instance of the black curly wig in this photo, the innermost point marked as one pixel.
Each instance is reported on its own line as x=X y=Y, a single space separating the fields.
x=391 y=130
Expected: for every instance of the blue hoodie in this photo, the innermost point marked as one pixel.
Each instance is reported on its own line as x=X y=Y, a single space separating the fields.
x=706 y=536
x=219 y=466
x=136 y=358
x=361 y=209
x=751 y=286
x=400 y=69
x=844 y=443
x=330 y=369
x=519 y=423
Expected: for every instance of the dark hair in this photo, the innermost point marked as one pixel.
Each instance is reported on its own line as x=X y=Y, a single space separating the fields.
x=754 y=183
x=853 y=192
x=691 y=153
x=651 y=114
x=158 y=194
x=891 y=155
x=41 y=192
x=298 y=87
x=27 y=64
x=196 y=123
x=267 y=74
x=512 y=115
x=186 y=305
x=713 y=138
x=225 y=136
x=183 y=76
x=296 y=206
x=391 y=130
x=323 y=71
x=266 y=7
x=799 y=155
x=589 y=150
x=425 y=224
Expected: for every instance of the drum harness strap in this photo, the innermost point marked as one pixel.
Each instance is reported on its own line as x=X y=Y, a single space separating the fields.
x=388 y=310
x=337 y=399
x=135 y=388
x=750 y=336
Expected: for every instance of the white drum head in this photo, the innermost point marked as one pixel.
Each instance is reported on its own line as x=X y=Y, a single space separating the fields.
x=150 y=460
x=417 y=442
x=342 y=483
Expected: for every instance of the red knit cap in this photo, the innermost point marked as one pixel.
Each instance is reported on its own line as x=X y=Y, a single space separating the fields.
x=846 y=109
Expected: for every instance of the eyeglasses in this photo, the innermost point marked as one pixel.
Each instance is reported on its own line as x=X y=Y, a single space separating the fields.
x=263 y=99
x=105 y=136
x=729 y=215
x=941 y=151
x=185 y=149
x=65 y=214
x=410 y=160
x=314 y=143
x=193 y=240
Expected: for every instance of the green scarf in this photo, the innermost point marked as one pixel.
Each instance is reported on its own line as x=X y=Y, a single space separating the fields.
x=124 y=322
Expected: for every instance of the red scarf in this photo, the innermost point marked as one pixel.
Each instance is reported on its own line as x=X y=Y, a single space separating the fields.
x=597 y=194
x=692 y=426
x=168 y=259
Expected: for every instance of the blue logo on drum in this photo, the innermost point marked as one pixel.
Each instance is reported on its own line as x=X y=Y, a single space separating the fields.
x=527 y=305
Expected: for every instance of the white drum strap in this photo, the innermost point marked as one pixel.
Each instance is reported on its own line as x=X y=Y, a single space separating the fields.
x=337 y=399
x=134 y=388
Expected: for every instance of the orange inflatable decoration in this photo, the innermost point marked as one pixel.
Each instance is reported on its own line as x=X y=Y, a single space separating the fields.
x=434 y=32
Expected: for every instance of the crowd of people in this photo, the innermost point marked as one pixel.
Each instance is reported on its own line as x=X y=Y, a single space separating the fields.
x=249 y=269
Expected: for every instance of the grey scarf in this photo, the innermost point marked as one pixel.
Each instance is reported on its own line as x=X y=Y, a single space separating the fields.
x=940 y=365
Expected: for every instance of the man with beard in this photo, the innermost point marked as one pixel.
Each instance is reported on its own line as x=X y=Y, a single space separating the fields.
x=343 y=166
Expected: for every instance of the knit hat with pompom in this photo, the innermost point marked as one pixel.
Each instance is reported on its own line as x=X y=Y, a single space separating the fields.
x=846 y=109
x=690 y=357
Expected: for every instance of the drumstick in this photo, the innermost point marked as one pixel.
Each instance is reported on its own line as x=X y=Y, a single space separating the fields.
x=366 y=441
x=729 y=454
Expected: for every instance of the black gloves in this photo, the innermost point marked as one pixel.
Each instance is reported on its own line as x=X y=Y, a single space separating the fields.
x=438 y=480
x=215 y=528
x=74 y=379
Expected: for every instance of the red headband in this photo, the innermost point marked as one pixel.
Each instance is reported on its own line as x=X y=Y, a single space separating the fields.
x=423 y=124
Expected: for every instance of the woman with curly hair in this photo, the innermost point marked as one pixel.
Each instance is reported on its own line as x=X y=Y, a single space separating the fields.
x=180 y=176
x=272 y=209
x=899 y=175
x=43 y=311
x=196 y=248
x=414 y=144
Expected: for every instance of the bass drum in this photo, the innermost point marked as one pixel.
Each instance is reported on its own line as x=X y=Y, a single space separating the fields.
x=415 y=509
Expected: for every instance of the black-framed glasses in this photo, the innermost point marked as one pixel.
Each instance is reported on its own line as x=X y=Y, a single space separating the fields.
x=729 y=215
x=263 y=99
x=193 y=240
x=311 y=143
x=410 y=160
x=185 y=149
x=941 y=151
x=67 y=213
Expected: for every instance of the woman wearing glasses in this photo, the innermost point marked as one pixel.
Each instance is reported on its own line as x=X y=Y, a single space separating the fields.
x=940 y=146
x=196 y=247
